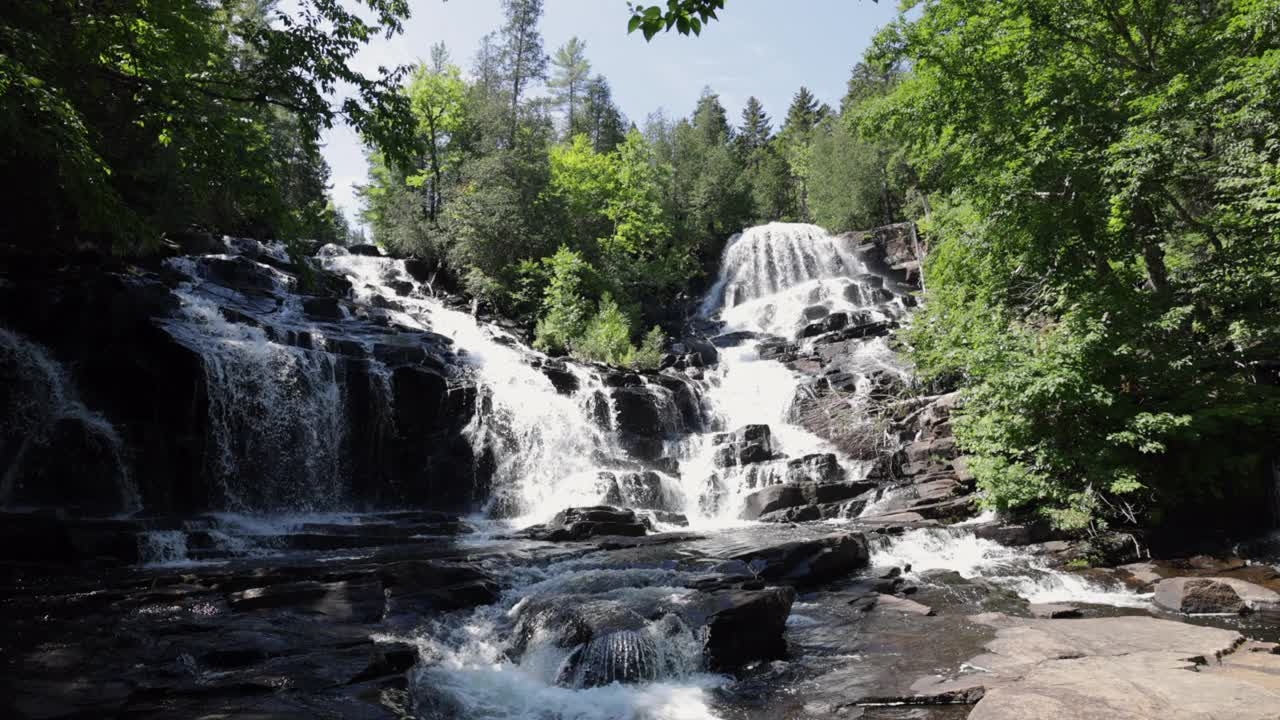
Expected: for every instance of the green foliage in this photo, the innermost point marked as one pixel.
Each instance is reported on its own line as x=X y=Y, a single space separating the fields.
x=129 y=119
x=566 y=310
x=649 y=353
x=607 y=337
x=1104 y=270
x=686 y=16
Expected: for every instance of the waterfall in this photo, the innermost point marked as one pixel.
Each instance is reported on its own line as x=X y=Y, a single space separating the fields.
x=48 y=415
x=546 y=447
x=774 y=280
x=276 y=411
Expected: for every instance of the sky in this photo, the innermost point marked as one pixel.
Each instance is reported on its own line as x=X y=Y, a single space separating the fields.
x=765 y=48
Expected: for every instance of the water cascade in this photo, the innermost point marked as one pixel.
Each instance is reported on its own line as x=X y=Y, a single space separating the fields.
x=41 y=422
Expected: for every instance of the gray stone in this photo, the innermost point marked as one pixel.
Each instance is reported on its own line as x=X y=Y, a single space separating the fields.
x=1193 y=596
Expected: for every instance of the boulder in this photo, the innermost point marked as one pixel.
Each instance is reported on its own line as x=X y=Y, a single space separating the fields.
x=819 y=467
x=771 y=499
x=322 y=308
x=638 y=411
x=744 y=446
x=747 y=626
x=803 y=513
x=422 y=588
x=1196 y=595
x=815 y=312
x=582 y=523
x=808 y=562
x=367 y=249
x=561 y=377
x=624 y=656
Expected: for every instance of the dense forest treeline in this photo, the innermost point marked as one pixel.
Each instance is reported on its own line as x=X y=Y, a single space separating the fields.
x=1104 y=270
x=530 y=184
x=126 y=119
x=1098 y=183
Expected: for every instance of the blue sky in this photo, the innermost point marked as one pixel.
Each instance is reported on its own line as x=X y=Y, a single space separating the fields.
x=766 y=48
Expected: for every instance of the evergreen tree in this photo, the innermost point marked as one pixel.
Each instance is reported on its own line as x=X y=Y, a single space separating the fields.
x=796 y=138
x=603 y=122
x=571 y=74
x=711 y=120
x=523 y=60
x=756 y=131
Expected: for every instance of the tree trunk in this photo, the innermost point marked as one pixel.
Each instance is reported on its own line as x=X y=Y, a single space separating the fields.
x=1152 y=251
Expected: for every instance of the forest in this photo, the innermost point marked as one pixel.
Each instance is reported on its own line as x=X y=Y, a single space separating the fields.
x=1098 y=183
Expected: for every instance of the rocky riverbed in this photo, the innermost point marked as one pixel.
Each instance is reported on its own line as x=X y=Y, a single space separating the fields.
x=239 y=486
x=758 y=622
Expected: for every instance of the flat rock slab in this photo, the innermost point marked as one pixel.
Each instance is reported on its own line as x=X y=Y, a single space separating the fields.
x=1118 y=668
x=1053 y=611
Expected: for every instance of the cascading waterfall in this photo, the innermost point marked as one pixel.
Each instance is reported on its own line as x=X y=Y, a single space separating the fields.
x=48 y=404
x=546 y=447
x=276 y=410
x=774 y=279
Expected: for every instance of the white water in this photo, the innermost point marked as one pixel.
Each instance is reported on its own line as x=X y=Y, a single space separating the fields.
x=276 y=410
x=769 y=276
x=468 y=668
x=1012 y=568
x=547 y=447
x=49 y=396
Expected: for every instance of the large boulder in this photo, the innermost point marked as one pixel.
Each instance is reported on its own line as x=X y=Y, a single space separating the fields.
x=583 y=523
x=809 y=562
x=1201 y=595
x=641 y=490
x=771 y=499
x=744 y=446
x=747 y=626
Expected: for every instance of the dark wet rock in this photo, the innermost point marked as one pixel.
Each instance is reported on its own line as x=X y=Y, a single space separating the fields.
x=827 y=497
x=625 y=656
x=738 y=337
x=365 y=249
x=638 y=412
x=816 y=312
x=771 y=499
x=747 y=626
x=239 y=273
x=1016 y=534
x=1194 y=596
x=565 y=382
x=819 y=467
x=807 y=562
x=587 y=522
x=641 y=490
x=322 y=308
x=355 y=601
x=780 y=350
x=567 y=621
x=744 y=446
x=804 y=513
x=422 y=587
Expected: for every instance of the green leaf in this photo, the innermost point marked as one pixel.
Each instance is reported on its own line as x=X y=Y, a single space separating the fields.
x=634 y=24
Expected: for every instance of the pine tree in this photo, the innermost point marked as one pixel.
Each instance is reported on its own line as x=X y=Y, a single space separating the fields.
x=571 y=74
x=710 y=119
x=602 y=120
x=796 y=138
x=523 y=60
x=804 y=114
x=755 y=132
